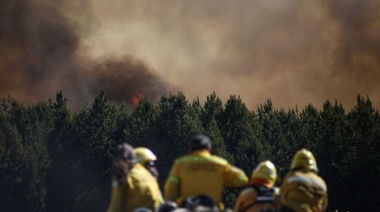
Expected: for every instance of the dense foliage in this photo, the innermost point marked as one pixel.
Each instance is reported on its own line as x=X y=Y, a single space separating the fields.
x=53 y=159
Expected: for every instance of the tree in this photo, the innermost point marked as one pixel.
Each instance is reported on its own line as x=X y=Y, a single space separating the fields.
x=310 y=133
x=140 y=125
x=64 y=153
x=24 y=157
x=234 y=123
x=175 y=126
x=331 y=153
x=275 y=145
x=363 y=150
x=93 y=134
x=210 y=113
x=240 y=135
x=213 y=109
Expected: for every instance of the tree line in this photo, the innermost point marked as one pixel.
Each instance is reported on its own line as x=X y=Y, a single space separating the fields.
x=55 y=159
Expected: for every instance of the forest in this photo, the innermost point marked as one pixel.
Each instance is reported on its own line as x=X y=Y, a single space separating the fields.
x=55 y=159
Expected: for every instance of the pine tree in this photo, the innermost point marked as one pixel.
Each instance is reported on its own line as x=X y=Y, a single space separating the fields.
x=176 y=124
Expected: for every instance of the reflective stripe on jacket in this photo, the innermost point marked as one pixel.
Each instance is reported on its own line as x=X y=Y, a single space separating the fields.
x=304 y=191
x=201 y=173
x=140 y=190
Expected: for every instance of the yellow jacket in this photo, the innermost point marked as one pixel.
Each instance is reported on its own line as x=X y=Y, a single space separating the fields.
x=201 y=173
x=304 y=191
x=246 y=201
x=139 y=190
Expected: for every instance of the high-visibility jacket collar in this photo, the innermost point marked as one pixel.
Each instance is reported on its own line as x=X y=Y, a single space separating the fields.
x=138 y=165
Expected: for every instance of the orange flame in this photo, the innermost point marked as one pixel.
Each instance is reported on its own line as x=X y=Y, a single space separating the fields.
x=136 y=100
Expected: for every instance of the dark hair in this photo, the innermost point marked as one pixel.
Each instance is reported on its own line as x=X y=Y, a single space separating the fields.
x=200 y=142
x=122 y=162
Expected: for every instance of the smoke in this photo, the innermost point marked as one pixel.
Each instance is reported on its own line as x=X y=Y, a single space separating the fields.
x=358 y=52
x=40 y=54
x=292 y=51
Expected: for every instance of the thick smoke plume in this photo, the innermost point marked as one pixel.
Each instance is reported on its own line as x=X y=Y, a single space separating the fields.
x=39 y=55
x=292 y=51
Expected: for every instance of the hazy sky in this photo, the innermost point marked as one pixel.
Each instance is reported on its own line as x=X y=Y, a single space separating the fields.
x=292 y=51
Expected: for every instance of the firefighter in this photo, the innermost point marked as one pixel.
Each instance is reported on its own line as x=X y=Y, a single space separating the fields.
x=302 y=190
x=201 y=173
x=145 y=157
x=260 y=194
x=133 y=186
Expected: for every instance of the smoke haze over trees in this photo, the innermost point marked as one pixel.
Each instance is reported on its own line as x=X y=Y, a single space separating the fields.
x=294 y=52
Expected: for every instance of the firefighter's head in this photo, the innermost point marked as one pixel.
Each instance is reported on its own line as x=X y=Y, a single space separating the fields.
x=200 y=142
x=123 y=161
x=147 y=158
x=265 y=173
x=304 y=159
x=144 y=155
x=125 y=152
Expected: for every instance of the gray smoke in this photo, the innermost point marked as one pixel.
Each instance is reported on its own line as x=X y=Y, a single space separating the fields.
x=40 y=54
x=294 y=52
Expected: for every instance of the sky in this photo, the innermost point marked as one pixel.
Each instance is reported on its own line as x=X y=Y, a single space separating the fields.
x=293 y=52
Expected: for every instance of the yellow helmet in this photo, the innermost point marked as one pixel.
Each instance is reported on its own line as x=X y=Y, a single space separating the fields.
x=144 y=155
x=265 y=170
x=304 y=159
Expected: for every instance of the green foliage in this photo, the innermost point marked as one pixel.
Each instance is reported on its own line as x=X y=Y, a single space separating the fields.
x=363 y=144
x=24 y=158
x=140 y=125
x=274 y=134
x=93 y=200
x=60 y=176
x=332 y=149
x=102 y=124
x=211 y=112
x=234 y=124
x=176 y=123
x=213 y=109
x=218 y=146
x=55 y=160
